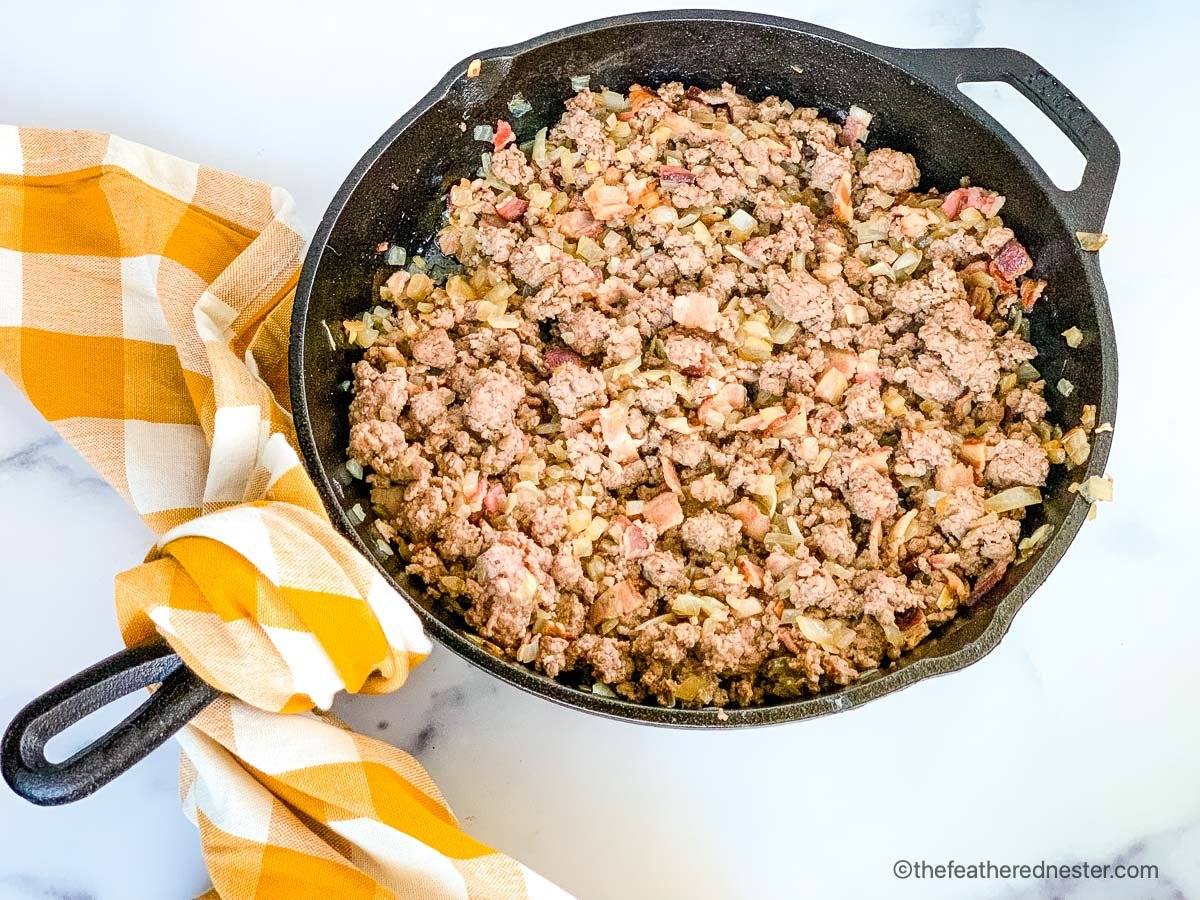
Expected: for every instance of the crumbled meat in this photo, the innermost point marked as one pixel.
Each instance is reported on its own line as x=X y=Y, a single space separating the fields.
x=1015 y=462
x=664 y=570
x=801 y=298
x=378 y=395
x=491 y=405
x=834 y=542
x=510 y=166
x=574 y=389
x=869 y=494
x=434 y=348
x=958 y=510
x=690 y=354
x=989 y=543
x=890 y=171
x=710 y=532
x=635 y=452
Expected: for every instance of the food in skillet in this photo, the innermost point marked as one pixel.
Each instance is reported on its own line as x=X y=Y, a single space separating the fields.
x=716 y=407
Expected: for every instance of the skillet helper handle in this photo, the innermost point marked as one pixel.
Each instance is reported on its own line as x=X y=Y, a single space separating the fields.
x=180 y=696
x=1088 y=203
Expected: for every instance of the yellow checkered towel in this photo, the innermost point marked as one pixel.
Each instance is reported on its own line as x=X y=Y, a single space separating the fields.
x=144 y=307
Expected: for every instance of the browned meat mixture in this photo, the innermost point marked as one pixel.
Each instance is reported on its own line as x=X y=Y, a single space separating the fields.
x=718 y=408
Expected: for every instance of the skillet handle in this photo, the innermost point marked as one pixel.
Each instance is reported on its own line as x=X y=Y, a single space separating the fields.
x=1088 y=203
x=180 y=696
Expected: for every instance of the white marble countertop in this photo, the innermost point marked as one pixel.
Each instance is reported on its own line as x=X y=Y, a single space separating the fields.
x=1076 y=740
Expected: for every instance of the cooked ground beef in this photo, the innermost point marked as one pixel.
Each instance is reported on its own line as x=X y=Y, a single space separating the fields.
x=714 y=408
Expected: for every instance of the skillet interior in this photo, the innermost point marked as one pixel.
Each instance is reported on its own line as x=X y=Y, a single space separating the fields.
x=395 y=194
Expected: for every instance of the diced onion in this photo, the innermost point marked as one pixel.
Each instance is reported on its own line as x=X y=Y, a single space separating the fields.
x=1073 y=336
x=580 y=82
x=1075 y=442
x=356 y=514
x=354 y=467
x=1065 y=387
x=1091 y=240
x=736 y=252
x=1096 y=489
x=396 y=256
x=872 y=230
x=1037 y=539
x=518 y=105
x=538 y=153
x=1014 y=498
x=832 y=635
x=483 y=133
x=614 y=101
x=743 y=221
x=907 y=261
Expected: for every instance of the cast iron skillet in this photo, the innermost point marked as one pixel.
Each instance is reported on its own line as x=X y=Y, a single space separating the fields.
x=395 y=193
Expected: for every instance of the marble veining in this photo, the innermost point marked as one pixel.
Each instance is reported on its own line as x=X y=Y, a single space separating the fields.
x=1076 y=740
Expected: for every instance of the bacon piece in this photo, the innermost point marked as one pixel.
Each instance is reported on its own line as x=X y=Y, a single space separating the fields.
x=696 y=310
x=867 y=369
x=724 y=401
x=939 y=561
x=663 y=512
x=678 y=124
x=1012 y=260
x=493 y=500
x=955 y=203
x=635 y=542
x=616 y=602
x=676 y=174
x=909 y=618
x=845 y=361
x=1030 y=292
x=511 y=208
x=670 y=475
x=974 y=453
x=854 y=129
x=1003 y=285
x=751 y=571
x=639 y=97
x=576 y=223
x=504 y=134
x=560 y=356
x=953 y=476
x=607 y=201
x=792 y=424
x=843 y=209
x=625 y=116
x=987 y=202
x=987 y=581
x=754 y=520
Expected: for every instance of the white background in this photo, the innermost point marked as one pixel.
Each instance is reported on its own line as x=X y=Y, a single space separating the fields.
x=1077 y=740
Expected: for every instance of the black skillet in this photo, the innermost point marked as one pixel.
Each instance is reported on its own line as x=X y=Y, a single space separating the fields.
x=395 y=193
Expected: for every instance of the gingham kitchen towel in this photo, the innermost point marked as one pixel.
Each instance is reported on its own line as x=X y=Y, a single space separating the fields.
x=144 y=307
